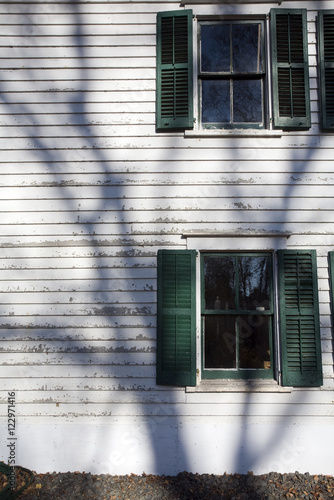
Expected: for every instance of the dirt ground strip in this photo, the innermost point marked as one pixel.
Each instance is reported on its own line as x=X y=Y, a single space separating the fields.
x=184 y=486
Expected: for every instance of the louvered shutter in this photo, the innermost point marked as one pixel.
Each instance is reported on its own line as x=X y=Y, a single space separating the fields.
x=326 y=67
x=299 y=318
x=290 y=73
x=331 y=283
x=176 y=321
x=174 y=70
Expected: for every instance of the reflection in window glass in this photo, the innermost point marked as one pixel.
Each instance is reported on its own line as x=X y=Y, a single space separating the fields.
x=215 y=47
x=254 y=349
x=216 y=101
x=237 y=312
x=220 y=342
x=247 y=101
x=219 y=282
x=231 y=73
x=254 y=282
x=246 y=48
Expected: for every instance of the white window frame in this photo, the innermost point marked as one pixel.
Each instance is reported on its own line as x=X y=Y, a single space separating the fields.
x=198 y=130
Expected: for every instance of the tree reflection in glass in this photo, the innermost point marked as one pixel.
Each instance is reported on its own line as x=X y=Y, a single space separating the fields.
x=237 y=311
x=231 y=73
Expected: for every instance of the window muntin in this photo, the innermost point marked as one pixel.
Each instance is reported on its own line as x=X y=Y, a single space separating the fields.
x=237 y=315
x=231 y=73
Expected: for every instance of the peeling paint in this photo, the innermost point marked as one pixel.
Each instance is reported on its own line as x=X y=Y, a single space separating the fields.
x=242 y=206
x=121 y=311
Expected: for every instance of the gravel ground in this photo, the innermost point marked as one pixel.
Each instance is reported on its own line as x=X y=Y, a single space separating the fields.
x=184 y=486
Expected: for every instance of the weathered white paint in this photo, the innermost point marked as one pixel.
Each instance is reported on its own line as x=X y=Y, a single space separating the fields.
x=168 y=445
x=88 y=193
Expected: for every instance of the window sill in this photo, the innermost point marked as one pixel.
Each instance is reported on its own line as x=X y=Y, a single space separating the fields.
x=233 y=133
x=195 y=2
x=238 y=386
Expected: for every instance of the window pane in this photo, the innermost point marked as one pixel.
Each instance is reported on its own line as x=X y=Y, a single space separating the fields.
x=254 y=282
x=254 y=347
x=220 y=342
x=247 y=101
x=246 y=47
x=219 y=282
x=215 y=101
x=215 y=47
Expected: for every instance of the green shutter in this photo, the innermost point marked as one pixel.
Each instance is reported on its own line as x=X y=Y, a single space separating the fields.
x=331 y=283
x=290 y=73
x=326 y=68
x=176 y=321
x=299 y=318
x=174 y=70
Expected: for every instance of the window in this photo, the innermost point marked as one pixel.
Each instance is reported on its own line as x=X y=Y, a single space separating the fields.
x=326 y=67
x=232 y=71
x=237 y=315
x=238 y=337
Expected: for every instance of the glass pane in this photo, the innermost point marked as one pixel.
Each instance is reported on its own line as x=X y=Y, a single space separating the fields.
x=220 y=342
x=254 y=347
x=215 y=101
x=215 y=47
x=246 y=46
x=254 y=283
x=219 y=279
x=247 y=101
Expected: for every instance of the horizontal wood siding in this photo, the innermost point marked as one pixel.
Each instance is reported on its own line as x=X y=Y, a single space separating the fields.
x=89 y=192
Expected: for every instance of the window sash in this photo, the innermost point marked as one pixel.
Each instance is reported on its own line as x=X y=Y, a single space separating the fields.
x=245 y=323
x=231 y=114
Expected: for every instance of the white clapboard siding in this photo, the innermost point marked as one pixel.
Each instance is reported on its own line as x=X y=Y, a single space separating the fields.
x=92 y=55
x=88 y=209
x=163 y=179
x=79 y=261
x=175 y=408
x=78 y=371
x=99 y=385
x=165 y=191
x=73 y=346
x=81 y=286
x=179 y=217
x=109 y=165
x=168 y=226
x=128 y=332
x=90 y=191
x=107 y=150
x=175 y=396
x=113 y=59
x=45 y=40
